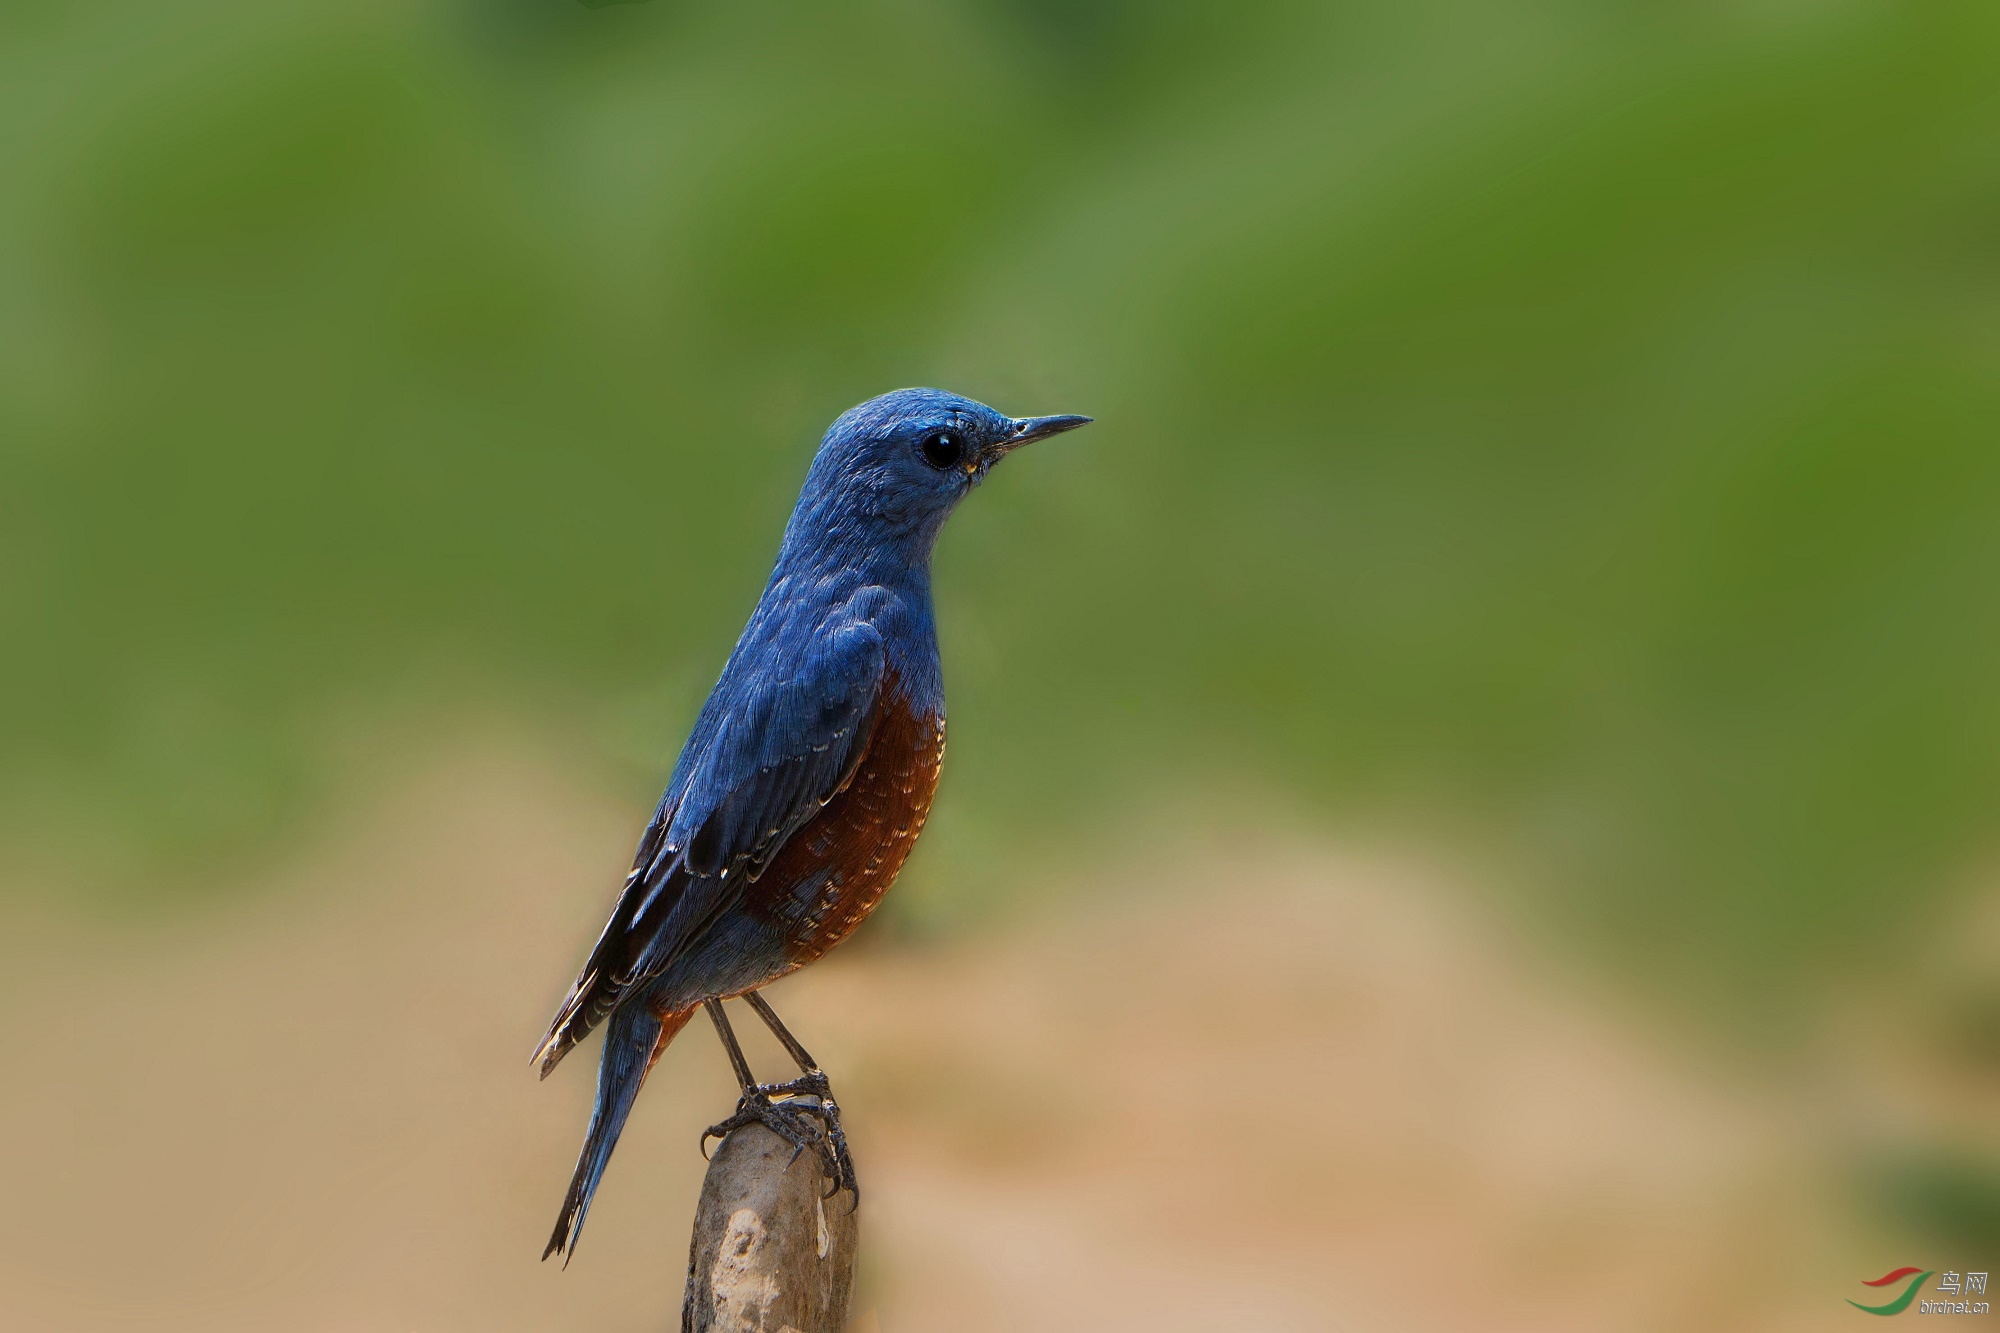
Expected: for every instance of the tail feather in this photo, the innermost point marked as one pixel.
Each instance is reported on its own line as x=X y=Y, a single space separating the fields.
x=632 y=1043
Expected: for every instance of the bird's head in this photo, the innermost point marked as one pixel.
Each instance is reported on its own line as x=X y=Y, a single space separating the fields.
x=893 y=469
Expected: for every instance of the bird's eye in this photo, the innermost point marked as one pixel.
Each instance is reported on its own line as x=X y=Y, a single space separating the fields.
x=943 y=449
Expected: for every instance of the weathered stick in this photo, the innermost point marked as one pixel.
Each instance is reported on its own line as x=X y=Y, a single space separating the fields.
x=768 y=1255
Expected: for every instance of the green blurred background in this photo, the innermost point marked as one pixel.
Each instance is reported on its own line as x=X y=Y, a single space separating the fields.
x=1574 y=419
x=1563 y=433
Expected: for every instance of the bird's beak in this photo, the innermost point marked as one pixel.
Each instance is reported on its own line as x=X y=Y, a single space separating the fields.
x=1029 y=429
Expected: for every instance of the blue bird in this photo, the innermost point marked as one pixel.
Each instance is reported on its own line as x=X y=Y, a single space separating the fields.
x=804 y=783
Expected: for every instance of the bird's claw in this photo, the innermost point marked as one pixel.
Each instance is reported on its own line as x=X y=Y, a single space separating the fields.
x=833 y=1149
x=783 y=1109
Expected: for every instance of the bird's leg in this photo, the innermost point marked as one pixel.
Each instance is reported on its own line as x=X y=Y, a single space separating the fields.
x=812 y=1081
x=800 y=1055
x=755 y=1106
x=744 y=1078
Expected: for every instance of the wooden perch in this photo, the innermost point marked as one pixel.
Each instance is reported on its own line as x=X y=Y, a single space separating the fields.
x=768 y=1255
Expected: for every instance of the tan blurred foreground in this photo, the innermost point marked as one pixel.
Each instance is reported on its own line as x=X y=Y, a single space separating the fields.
x=1301 y=1092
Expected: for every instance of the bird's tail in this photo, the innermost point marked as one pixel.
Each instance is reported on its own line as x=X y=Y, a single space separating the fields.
x=632 y=1042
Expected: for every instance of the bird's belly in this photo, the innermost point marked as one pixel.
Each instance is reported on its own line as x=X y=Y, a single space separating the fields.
x=831 y=873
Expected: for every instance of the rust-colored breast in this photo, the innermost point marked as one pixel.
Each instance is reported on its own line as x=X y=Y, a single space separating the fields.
x=832 y=873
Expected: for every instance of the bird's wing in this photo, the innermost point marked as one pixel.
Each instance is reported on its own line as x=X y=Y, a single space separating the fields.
x=598 y=987
x=785 y=749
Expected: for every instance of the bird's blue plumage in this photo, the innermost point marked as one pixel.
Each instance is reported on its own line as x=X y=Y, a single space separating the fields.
x=840 y=654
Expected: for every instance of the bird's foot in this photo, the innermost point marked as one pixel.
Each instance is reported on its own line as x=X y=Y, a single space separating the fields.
x=833 y=1150
x=783 y=1109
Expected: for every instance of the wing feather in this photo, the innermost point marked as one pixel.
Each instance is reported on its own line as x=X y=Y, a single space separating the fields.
x=783 y=751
